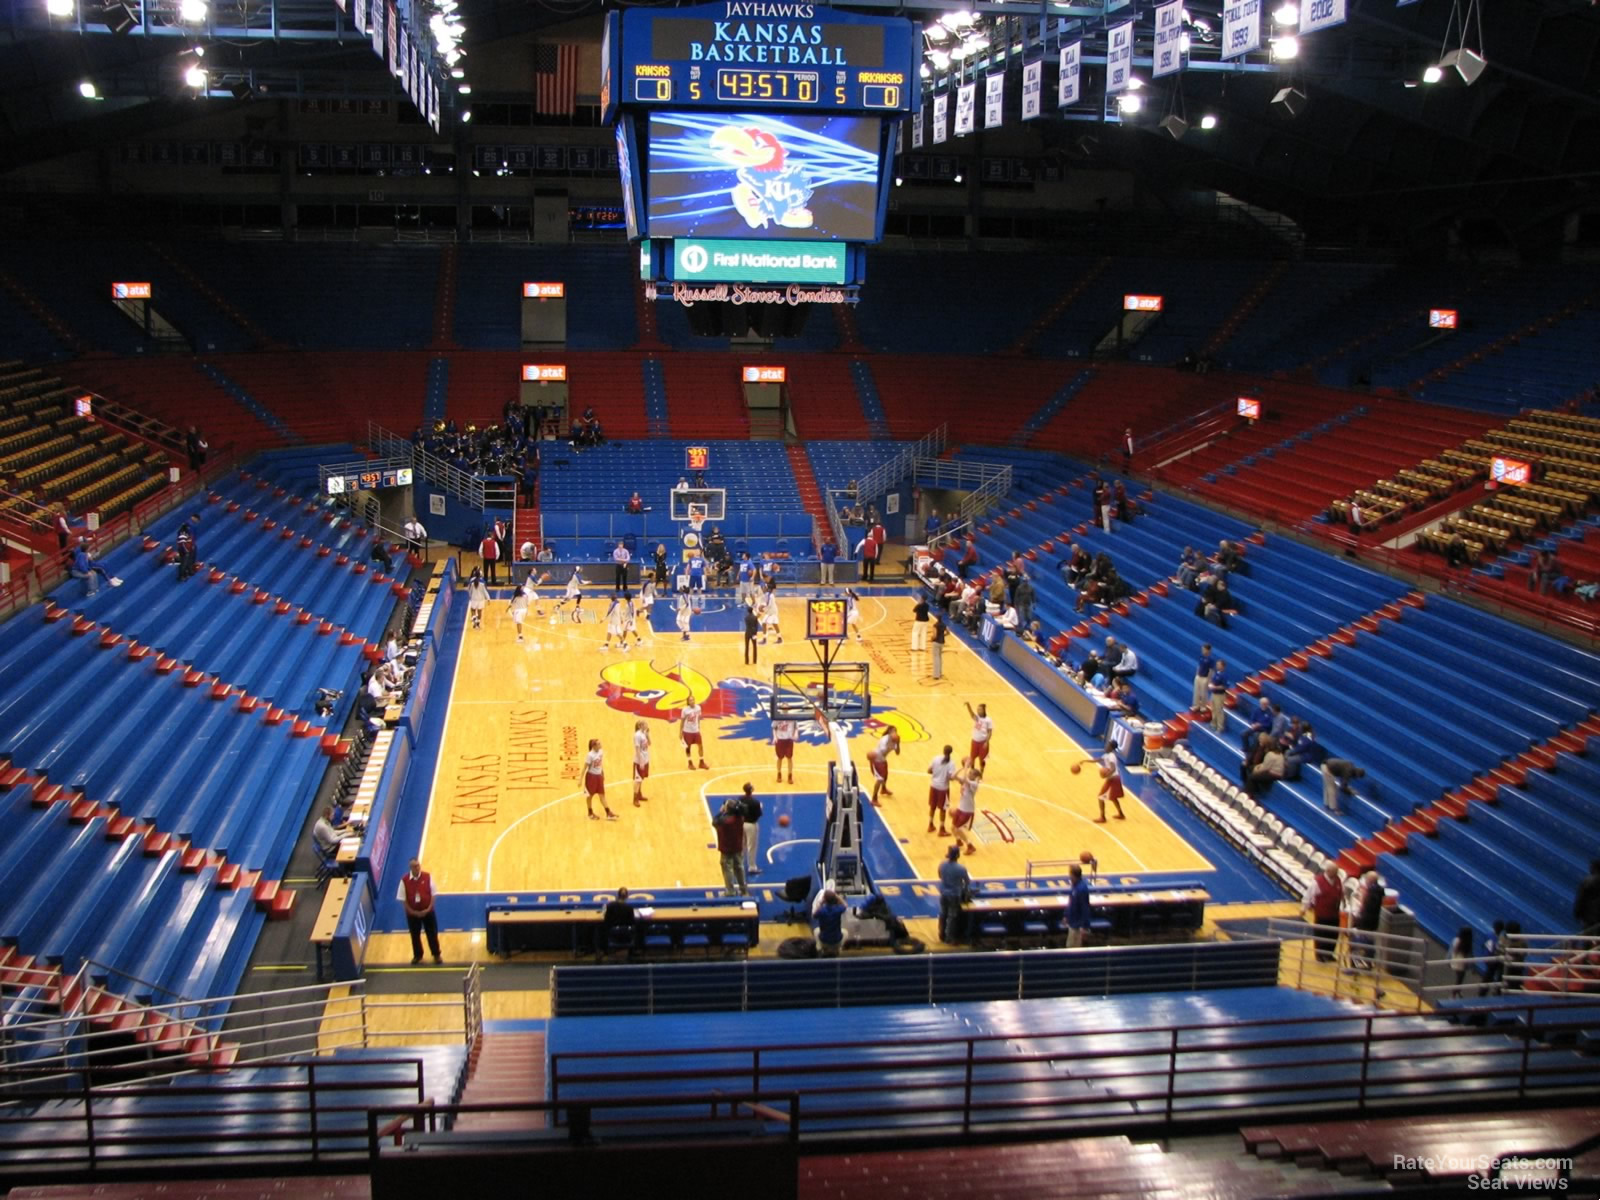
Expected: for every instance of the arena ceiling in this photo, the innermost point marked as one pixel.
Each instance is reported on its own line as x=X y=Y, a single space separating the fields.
x=1370 y=141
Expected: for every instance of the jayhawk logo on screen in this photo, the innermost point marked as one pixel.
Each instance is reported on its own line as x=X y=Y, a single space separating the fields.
x=772 y=188
x=743 y=705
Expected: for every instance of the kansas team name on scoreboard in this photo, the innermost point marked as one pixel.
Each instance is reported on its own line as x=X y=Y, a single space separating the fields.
x=743 y=52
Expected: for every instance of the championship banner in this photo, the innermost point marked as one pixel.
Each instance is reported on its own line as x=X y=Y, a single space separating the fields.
x=1119 y=56
x=359 y=15
x=966 y=107
x=1032 y=85
x=900 y=138
x=916 y=129
x=377 y=27
x=1241 y=27
x=1168 y=58
x=1067 y=86
x=1321 y=14
x=994 y=100
x=941 y=111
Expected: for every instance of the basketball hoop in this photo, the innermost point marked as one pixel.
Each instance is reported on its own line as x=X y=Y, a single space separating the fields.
x=697 y=516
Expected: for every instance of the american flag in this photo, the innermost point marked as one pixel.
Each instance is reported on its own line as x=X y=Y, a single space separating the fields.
x=555 y=70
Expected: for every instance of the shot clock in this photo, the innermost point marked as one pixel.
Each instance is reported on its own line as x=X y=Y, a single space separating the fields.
x=825 y=620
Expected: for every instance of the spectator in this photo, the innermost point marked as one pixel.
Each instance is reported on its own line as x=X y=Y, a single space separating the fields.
x=1269 y=770
x=196 y=446
x=829 y=554
x=1217 y=690
x=1369 y=912
x=620 y=558
x=1461 y=956
x=920 y=610
x=869 y=550
x=661 y=565
x=1008 y=619
x=938 y=646
x=1217 y=603
x=1322 y=900
x=996 y=595
x=1494 y=970
x=1543 y=572
x=1127 y=450
x=64 y=524
x=380 y=555
x=955 y=889
x=1127 y=508
x=1336 y=776
x=326 y=833
x=1127 y=664
x=969 y=556
x=1202 y=674
x=86 y=567
x=1457 y=554
x=186 y=552
x=1229 y=557
x=1123 y=699
x=417 y=887
x=1077 y=566
x=1188 y=569
x=635 y=504
x=619 y=915
x=1304 y=749
x=416 y=537
x=1260 y=722
x=730 y=846
x=489 y=551
x=930 y=527
x=1586 y=904
x=750 y=813
x=829 y=916
x=1077 y=905
x=526 y=552
x=1025 y=597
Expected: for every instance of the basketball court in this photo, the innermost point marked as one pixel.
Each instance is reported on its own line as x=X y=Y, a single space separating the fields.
x=507 y=815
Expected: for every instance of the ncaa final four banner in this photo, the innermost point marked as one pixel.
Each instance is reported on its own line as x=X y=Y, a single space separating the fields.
x=1067 y=87
x=1168 y=58
x=1119 y=56
x=916 y=129
x=1241 y=27
x=994 y=100
x=1321 y=14
x=1032 y=86
x=941 y=112
x=966 y=107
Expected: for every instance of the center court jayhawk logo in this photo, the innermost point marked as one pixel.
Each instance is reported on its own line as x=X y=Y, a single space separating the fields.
x=743 y=705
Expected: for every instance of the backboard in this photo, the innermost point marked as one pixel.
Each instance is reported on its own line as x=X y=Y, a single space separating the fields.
x=842 y=689
x=714 y=499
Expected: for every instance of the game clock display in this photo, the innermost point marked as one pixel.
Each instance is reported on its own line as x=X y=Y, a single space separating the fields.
x=825 y=620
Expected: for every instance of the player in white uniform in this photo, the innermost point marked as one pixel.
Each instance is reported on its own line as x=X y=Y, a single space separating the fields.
x=684 y=612
x=574 y=594
x=783 y=732
x=518 y=609
x=643 y=606
x=477 y=598
x=769 y=619
x=689 y=734
x=530 y=587
x=629 y=624
x=982 y=734
x=940 y=772
x=641 y=761
x=878 y=756
x=969 y=776
x=614 y=623
x=594 y=780
x=852 y=614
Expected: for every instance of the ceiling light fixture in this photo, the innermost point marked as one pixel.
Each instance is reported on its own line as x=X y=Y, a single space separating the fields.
x=1432 y=74
x=1285 y=48
x=88 y=91
x=1209 y=121
x=58 y=8
x=1128 y=103
x=1287 y=14
x=195 y=77
x=192 y=12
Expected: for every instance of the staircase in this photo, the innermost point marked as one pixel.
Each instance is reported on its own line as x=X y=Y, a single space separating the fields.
x=217 y=300
x=525 y=523
x=644 y=315
x=436 y=399
x=1026 y=343
x=248 y=402
x=849 y=335
x=871 y=402
x=806 y=480
x=655 y=398
x=444 y=300
x=57 y=327
x=509 y=1069
x=1245 y=307
x=1051 y=407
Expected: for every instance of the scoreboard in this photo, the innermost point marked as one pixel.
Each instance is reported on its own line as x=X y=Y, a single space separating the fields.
x=825 y=620
x=754 y=53
x=748 y=130
x=366 y=481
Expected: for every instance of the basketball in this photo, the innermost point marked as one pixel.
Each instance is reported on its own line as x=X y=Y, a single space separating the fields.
x=783 y=821
x=1076 y=767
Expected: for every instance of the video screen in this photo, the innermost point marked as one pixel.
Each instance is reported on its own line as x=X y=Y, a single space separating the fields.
x=1249 y=409
x=1509 y=470
x=741 y=175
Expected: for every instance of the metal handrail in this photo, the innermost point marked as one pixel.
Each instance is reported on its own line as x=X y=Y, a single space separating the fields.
x=880 y=479
x=987 y=483
x=464 y=486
